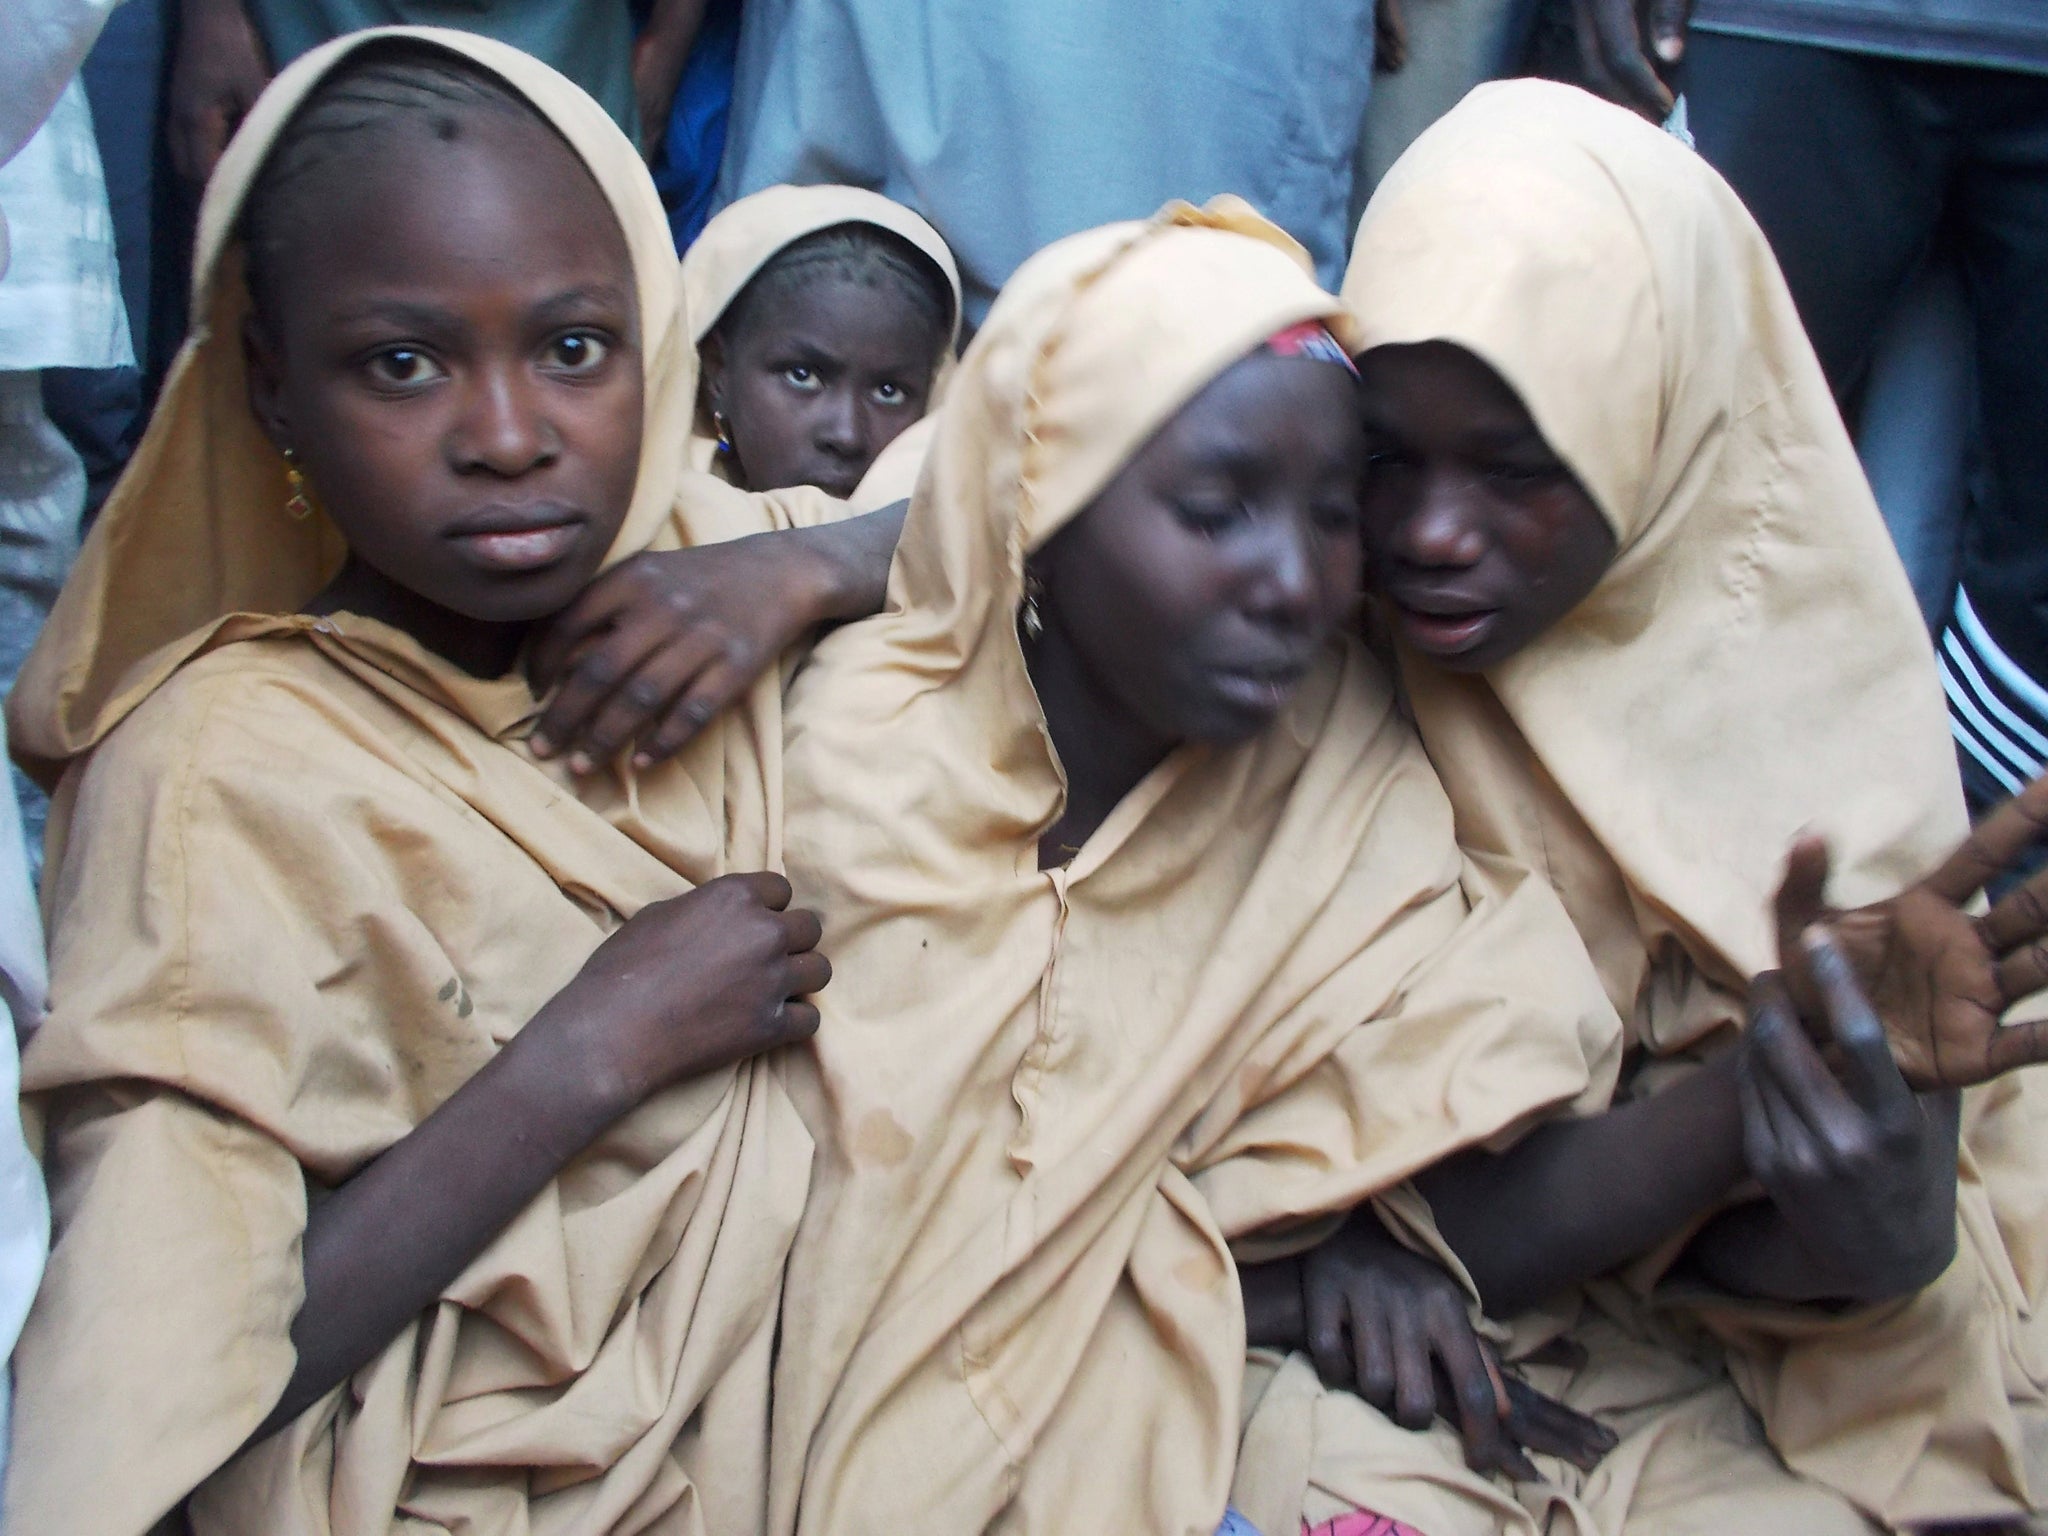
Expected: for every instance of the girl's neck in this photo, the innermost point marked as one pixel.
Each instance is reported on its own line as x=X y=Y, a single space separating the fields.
x=478 y=646
x=1103 y=749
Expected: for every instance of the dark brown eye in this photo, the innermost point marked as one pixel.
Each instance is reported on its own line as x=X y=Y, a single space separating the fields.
x=403 y=368
x=578 y=352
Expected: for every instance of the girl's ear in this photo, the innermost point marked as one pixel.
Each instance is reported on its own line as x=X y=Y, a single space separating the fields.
x=264 y=370
x=711 y=359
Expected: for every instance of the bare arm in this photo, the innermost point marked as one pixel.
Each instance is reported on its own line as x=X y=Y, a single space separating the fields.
x=383 y=1246
x=660 y=643
x=659 y=54
x=1576 y=1198
x=687 y=986
x=218 y=72
x=1858 y=1171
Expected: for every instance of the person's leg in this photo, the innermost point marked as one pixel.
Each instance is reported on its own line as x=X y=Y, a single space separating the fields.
x=102 y=410
x=1845 y=176
x=1917 y=427
x=42 y=491
x=1453 y=45
x=1995 y=654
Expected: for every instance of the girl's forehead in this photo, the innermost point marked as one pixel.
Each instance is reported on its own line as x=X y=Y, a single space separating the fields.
x=498 y=195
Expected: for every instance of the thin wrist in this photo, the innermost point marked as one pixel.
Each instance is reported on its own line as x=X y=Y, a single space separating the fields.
x=571 y=1095
x=828 y=582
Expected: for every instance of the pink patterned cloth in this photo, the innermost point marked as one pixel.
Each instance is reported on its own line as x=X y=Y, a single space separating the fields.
x=1313 y=339
x=1360 y=1523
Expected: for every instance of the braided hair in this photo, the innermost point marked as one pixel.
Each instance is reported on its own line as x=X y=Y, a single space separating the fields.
x=385 y=91
x=855 y=253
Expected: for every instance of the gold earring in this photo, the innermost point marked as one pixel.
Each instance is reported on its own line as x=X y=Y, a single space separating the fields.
x=1029 y=619
x=296 y=503
x=724 y=430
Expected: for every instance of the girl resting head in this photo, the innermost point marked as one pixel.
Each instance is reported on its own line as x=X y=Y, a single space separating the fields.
x=1621 y=532
x=1654 y=630
x=1150 y=934
x=825 y=319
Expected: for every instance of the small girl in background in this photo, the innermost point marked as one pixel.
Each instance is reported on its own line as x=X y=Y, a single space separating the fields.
x=825 y=320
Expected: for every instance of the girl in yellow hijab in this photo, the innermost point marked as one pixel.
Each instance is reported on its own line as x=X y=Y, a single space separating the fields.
x=825 y=319
x=1152 y=942
x=409 y=1161
x=1652 y=631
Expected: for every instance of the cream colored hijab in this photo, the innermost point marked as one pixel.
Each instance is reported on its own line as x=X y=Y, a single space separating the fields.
x=1752 y=664
x=197 y=528
x=305 y=881
x=1048 y=1102
x=748 y=234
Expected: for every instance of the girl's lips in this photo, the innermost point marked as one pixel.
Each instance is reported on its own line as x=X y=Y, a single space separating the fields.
x=1447 y=634
x=515 y=551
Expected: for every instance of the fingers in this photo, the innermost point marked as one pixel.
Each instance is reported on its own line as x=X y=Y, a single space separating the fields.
x=595 y=610
x=1873 y=1077
x=1801 y=900
x=2018 y=917
x=1611 y=50
x=2021 y=975
x=809 y=972
x=1759 y=1141
x=1323 y=1309
x=2015 y=1045
x=799 y=1020
x=1546 y=1426
x=601 y=669
x=1372 y=1360
x=705 y=697
x=642 y=703
x=1791 y=1103
x=1994 y=844
x=802 y=930
x=1668 y=20
x=1476 y=1390
x=773 y=891
x=1415 y=1404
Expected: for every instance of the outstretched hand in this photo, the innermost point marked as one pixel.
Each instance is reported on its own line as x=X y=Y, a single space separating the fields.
x=1939 y=978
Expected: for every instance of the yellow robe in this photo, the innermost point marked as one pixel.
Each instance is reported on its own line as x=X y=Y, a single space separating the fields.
x=1047 y=1103
x=306 y=879
x=1751 y=665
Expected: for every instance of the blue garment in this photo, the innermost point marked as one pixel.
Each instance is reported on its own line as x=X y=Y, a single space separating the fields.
x=686 y=173
x=1010 y=126
x=1994 y=34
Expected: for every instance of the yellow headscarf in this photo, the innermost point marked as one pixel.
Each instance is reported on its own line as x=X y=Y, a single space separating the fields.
x=305 y=881
x=750 y=233
x=1048 y=1101
x=196 y=529
x=1621 y=290
x=1751 y=665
